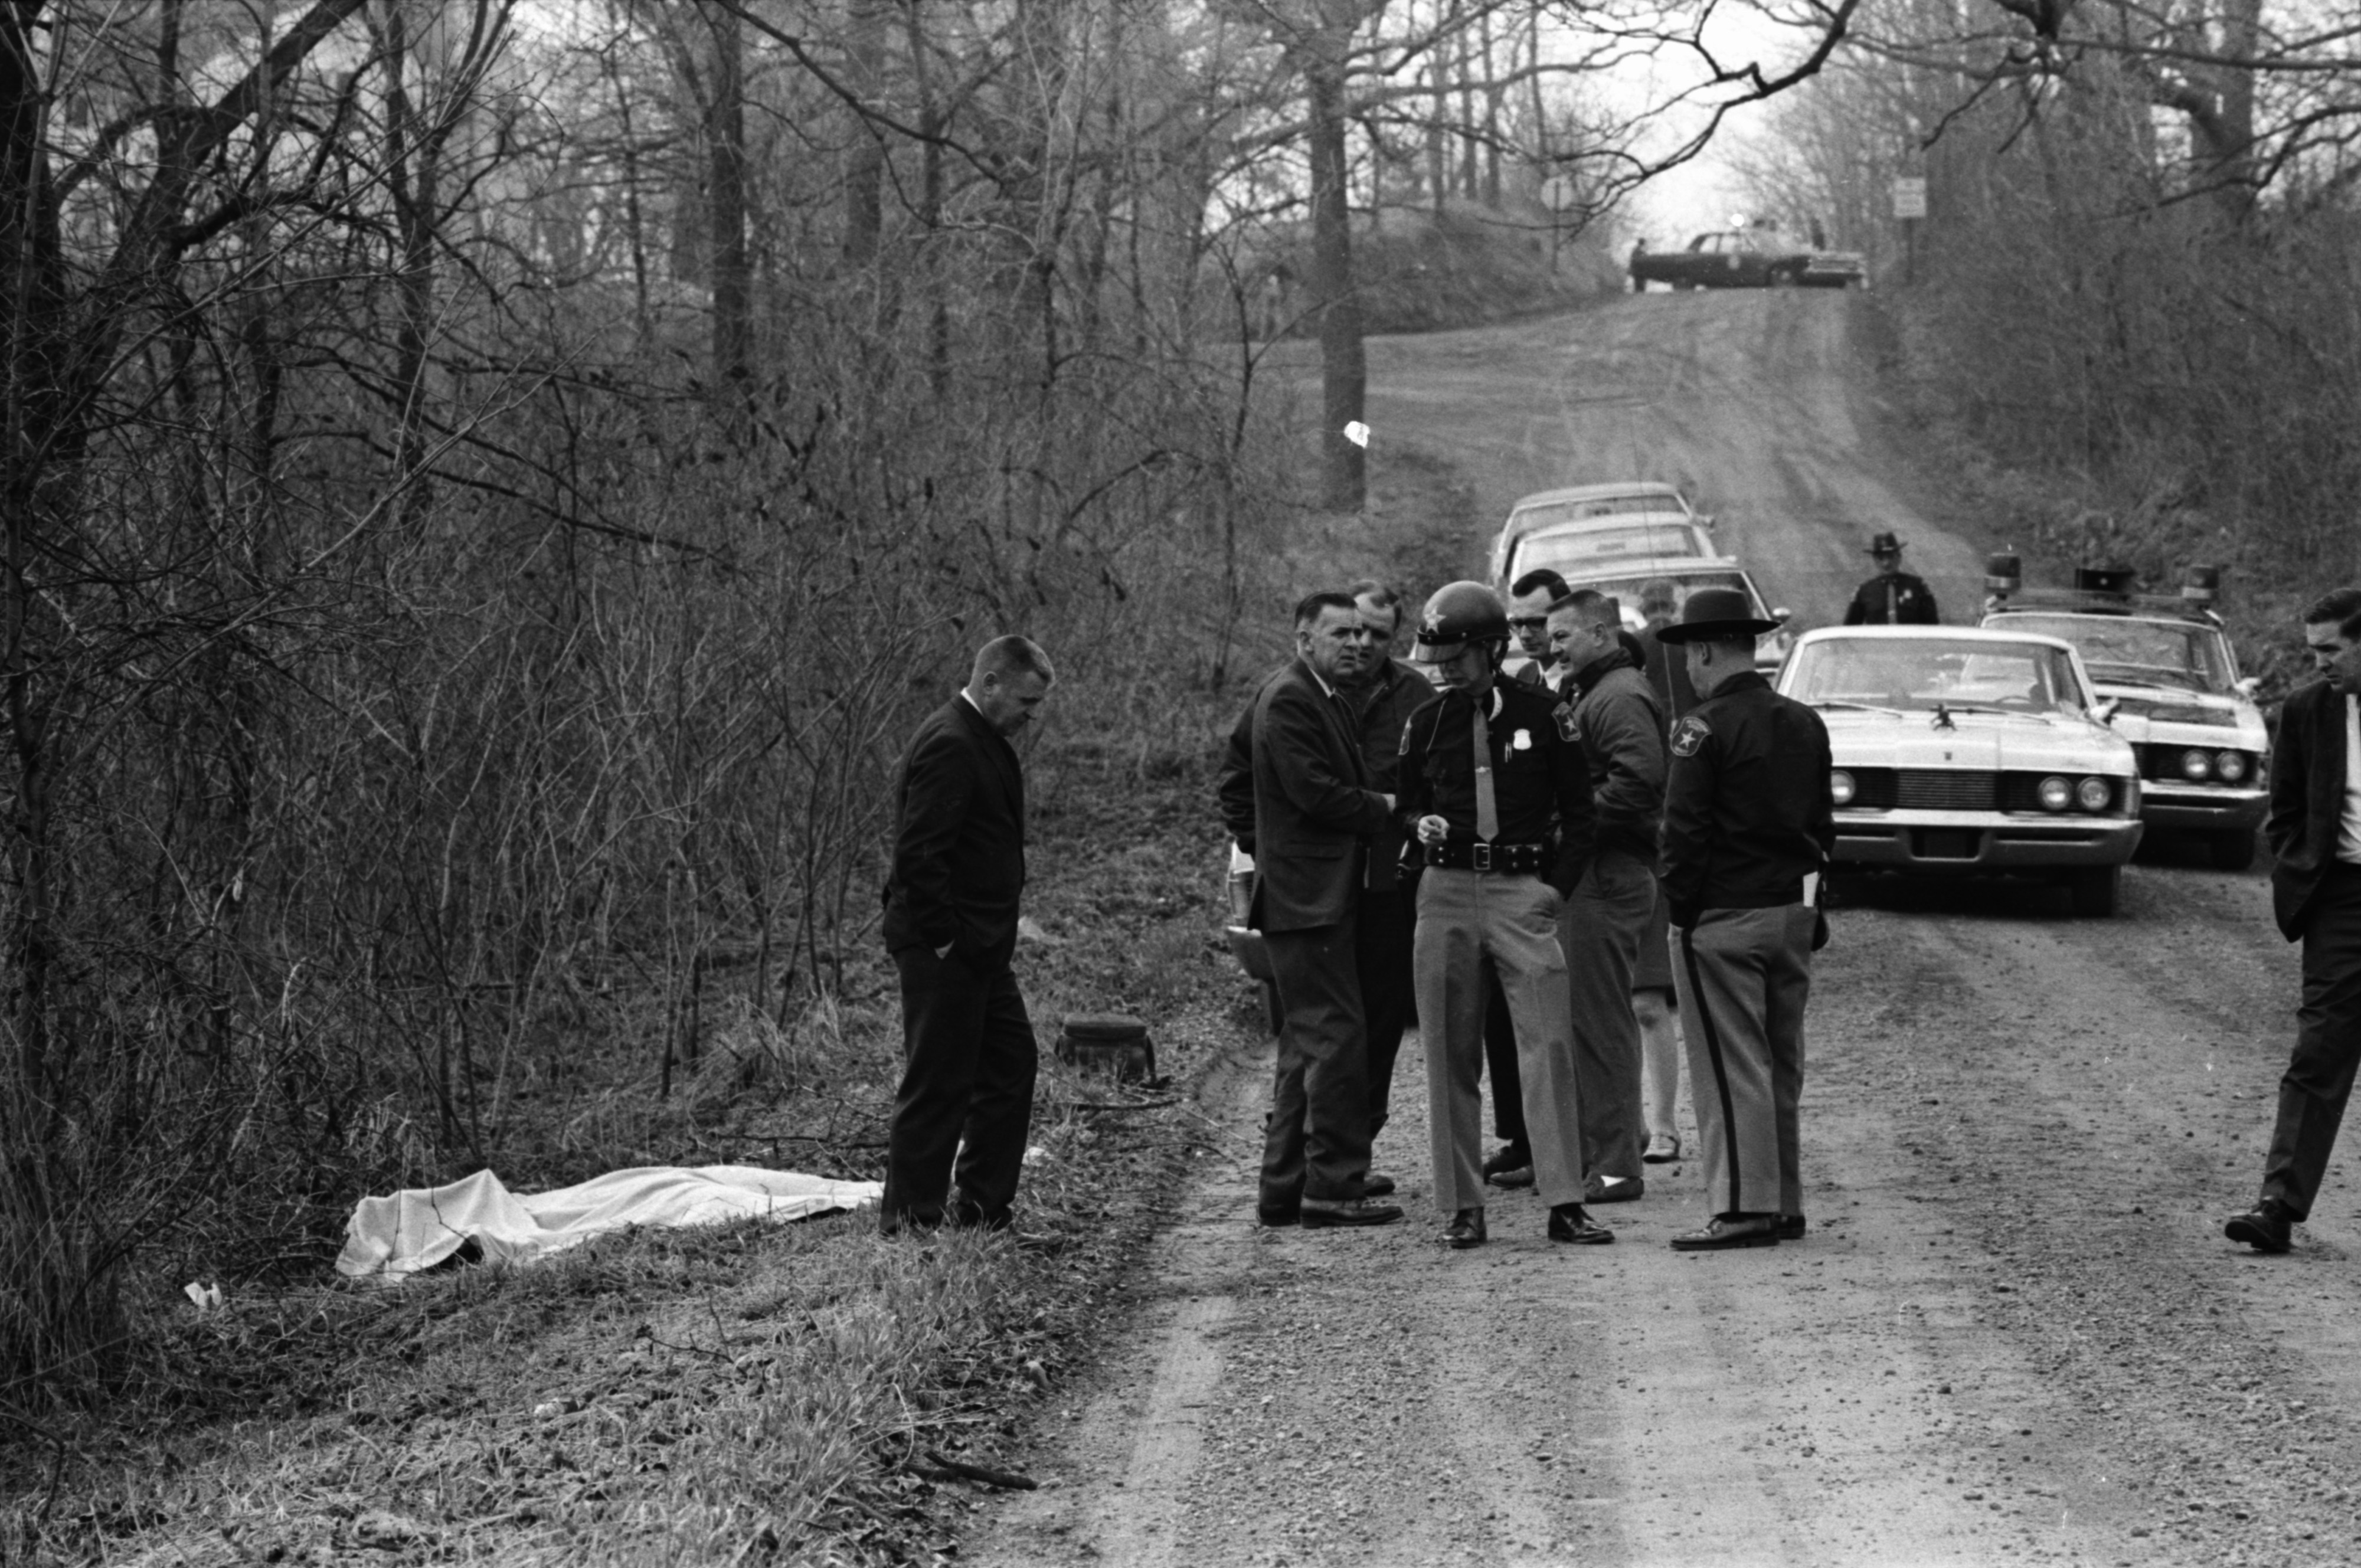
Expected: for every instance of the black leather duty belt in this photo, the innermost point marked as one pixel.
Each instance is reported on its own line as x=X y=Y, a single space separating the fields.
x=1515 y=860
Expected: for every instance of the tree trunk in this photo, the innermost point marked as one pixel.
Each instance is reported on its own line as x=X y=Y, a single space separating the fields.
x=725 y=141
x=864 y=174
x=1344 y=373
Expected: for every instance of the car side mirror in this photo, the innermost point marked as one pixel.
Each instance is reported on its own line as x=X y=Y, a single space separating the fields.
x=2247 y=685
x=2104 y=711
x=1782 y=614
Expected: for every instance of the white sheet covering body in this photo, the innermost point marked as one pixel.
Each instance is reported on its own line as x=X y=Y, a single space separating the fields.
x=392 y=1239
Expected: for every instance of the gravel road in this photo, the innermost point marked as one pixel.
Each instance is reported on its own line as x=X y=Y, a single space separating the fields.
x=2014 y=1334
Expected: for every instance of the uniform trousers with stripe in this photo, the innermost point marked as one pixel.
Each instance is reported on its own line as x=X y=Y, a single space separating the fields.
x=1744 y=976
x=1464 y=918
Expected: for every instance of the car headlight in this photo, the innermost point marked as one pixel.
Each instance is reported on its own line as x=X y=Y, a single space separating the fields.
x=2056 y=794
x=1840 y=787
x=2093 y=795
x=2231 y=765
x=2196 y=765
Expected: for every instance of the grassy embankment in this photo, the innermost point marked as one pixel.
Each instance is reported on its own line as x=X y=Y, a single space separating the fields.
x=749 y=1393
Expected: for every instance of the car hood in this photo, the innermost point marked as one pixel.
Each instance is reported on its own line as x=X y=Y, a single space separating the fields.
x=2207 y=719
x=2010 y=742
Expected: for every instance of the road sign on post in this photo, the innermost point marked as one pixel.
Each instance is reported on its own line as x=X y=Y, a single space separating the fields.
x=1910 y=196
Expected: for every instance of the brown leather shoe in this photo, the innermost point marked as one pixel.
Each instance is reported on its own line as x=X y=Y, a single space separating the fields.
x=1466 y=1230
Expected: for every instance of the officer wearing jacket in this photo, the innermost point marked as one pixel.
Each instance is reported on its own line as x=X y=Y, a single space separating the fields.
x=1892 y=598
x=1496 y=793
x=1746 y=818
x=1612 y=910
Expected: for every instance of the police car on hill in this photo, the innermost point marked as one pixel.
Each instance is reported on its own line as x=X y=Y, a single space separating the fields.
x=2167 y=666
x=1957 y=750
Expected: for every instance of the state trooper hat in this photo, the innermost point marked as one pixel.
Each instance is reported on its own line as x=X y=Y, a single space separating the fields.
x=1712 y=615
x=1884 y=544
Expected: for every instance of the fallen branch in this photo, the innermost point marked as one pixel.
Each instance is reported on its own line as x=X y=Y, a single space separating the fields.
x=1006 y=1480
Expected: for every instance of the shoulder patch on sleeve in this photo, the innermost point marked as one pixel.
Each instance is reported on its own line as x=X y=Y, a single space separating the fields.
x=1689 y=735
x=1569 y=727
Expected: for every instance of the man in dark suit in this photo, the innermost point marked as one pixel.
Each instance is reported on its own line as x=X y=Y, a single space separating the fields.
x=1315 y=816
x=2315 y=828
x=951 y=923
x=1892 y=598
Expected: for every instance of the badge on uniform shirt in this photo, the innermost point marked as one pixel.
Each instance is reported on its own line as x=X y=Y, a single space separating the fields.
x=1569 y=727
x=1523 y=740
x=1689 y=735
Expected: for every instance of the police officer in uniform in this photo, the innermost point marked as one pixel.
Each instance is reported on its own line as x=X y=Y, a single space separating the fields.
x=1746 y=818
x=1892 y=598
x=1495 y=791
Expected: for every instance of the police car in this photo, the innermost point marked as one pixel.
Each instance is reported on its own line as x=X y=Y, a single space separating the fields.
x=1585 y=525
x=1957 y=750
x=2167 y=666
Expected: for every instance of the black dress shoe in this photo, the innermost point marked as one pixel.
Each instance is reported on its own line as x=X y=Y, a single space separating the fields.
x=1600 y=1188
x=1466 y=1230
x=2265 y=1227
x=1377 y=1186
x=1567 y=1223
x=1508 y=1156
x=1276 y=1217
x=1720 y=1235
x=1320 y=1214
x=1788 y=1227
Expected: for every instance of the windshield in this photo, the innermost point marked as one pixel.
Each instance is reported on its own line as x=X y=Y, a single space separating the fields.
x=1917 y=674
x=2142 y=652
x=1585 y=546
x=1631 y=592
x=1549 y=514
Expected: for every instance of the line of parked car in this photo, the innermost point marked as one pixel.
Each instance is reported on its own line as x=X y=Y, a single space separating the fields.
x=2040 y=743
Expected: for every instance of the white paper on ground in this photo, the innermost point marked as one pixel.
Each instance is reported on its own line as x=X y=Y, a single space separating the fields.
x=392 y=1239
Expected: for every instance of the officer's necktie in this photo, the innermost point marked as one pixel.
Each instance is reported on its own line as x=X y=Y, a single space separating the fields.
x=1487 y=804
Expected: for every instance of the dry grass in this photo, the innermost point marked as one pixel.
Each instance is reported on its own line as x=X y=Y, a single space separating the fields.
x=747 y=1394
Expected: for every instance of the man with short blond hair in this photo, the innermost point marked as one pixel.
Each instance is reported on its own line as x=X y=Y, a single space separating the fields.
x=1612 y=710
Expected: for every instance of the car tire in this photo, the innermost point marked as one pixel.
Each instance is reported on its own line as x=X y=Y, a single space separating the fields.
x=2092 y=891
x=2233 y=850
x=1784 y=278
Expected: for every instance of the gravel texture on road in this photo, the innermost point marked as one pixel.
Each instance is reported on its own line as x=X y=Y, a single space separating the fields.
x=2013 y=1333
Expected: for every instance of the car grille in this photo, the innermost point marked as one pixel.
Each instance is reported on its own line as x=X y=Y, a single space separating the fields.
x=1947 y=789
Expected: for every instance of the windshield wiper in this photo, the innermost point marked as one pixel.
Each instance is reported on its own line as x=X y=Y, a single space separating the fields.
x=2004 y=712
x=1857 y=706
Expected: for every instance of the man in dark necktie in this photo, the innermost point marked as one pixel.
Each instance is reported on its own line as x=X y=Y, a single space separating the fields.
x=1314 y=817
x=950 y=924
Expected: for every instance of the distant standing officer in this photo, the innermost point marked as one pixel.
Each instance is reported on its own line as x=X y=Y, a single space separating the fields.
x=1892 y=598
x=1747 y=817
x=1496 y=792
x=2315 y=828
x=1314 y=818
x=1612 y=910
x=968 y=1051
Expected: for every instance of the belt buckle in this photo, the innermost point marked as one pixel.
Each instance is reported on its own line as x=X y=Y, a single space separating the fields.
x=1479 y=857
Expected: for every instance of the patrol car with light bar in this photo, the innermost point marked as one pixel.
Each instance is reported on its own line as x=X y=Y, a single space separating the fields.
x=1957 y=750
x=2165 y=665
